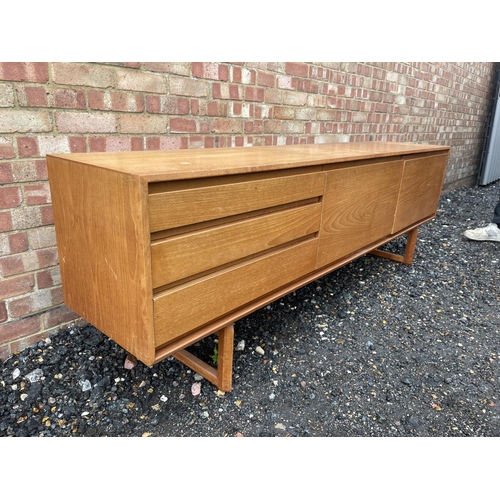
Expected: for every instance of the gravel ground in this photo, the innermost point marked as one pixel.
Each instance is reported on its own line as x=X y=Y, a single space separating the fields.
x=376 y=348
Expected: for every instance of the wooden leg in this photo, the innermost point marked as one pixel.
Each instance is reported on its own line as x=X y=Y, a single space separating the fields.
x=407 y=258
x=222 y=376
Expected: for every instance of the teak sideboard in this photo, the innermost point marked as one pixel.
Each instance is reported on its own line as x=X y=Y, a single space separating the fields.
x=159 y=249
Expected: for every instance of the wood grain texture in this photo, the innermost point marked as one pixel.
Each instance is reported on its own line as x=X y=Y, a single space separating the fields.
x=103 y=247
x=157 y=166
x=192 y=206
x=358 y=208
x=420 y=189
x=194 y=304
x=181 y=256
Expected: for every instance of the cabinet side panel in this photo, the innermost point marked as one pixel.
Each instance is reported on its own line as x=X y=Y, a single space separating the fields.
x=103 y=251
x=420 y=190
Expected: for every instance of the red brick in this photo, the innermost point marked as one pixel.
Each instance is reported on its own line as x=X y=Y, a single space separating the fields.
x=27 y=147
x=5 y=351
x=18 y=242
x=121 y=101
x=152 y=143
x=37 y=194
x=216 y=108
x=182 y=125
x=16 y=286
x=24 y=71
x=210 y=71
x=265 y=79
x=97 y=144
x=96 y=99
x=167 y=105
x=254 y=94
x=225 y=91
x=3 y=312
x=47 y=257
x=57 y=316
x=48 y=278
x=20 y=307
x=47 y=215
x=41 y=170
x=20 y=328
x=227 y=126
x=9 y=197
x=35 y=96
x=69 y=98
x=6 y=150
x=243 y=75
x=136 y=144
x=5 y=221
x=77 y=144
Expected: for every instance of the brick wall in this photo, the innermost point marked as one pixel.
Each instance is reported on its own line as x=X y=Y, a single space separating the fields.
x=77 y=107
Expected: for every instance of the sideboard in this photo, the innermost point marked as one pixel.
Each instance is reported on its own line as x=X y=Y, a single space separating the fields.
x=159 y=249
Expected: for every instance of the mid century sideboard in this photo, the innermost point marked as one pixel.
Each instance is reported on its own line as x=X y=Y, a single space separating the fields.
x=159 y=249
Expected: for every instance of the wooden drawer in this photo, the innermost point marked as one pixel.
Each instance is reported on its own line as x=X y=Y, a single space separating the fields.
x=193 y=304
x=181 y=204
x=178 y=257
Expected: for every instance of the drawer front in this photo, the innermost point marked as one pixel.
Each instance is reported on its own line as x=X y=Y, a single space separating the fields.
x=359 y=207
x=192 y=305
x=420 y=190
x=182 y=207
x=181 y=256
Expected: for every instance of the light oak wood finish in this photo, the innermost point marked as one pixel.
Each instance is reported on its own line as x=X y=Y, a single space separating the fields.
x=160 y=249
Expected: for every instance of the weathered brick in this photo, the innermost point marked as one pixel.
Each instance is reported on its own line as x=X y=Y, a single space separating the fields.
x=167 y=105
x=140 y=81
x=210 y=71
x=3 y=312
x=6 y=95
x=286 y=82
x=283 y=113
x=19 y=328
x=57 y=144
x=42 y=237
x=294 y=98
x=273 y=96
x=33 y=96
x=26 y=217
x=76 y=144
x=182 y=125
x=58 y=315
x=266 y=79
x=6 y=149
x=18 y=285
x=24 y=71
x=14 y=120
x=87 y=75
x=226 y=126
x=123 y=101
x=188 y=87
x=243 y=75
x=47 y=215
x=69 y=98
x=143 y=124
x=81 y=123
x=13 y=243
x=297 y=69
x=226 y=91
x=254 y=94
x=27 y=147
x=10 y=197
x=41 y=170
x=48 y=278
x=176 y=68
x=5 y=221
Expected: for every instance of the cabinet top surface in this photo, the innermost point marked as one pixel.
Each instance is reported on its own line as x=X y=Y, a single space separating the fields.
x=155 y=166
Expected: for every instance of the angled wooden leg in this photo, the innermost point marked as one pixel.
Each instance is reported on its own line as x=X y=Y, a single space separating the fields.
x=407 y=258
x=221 y=376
